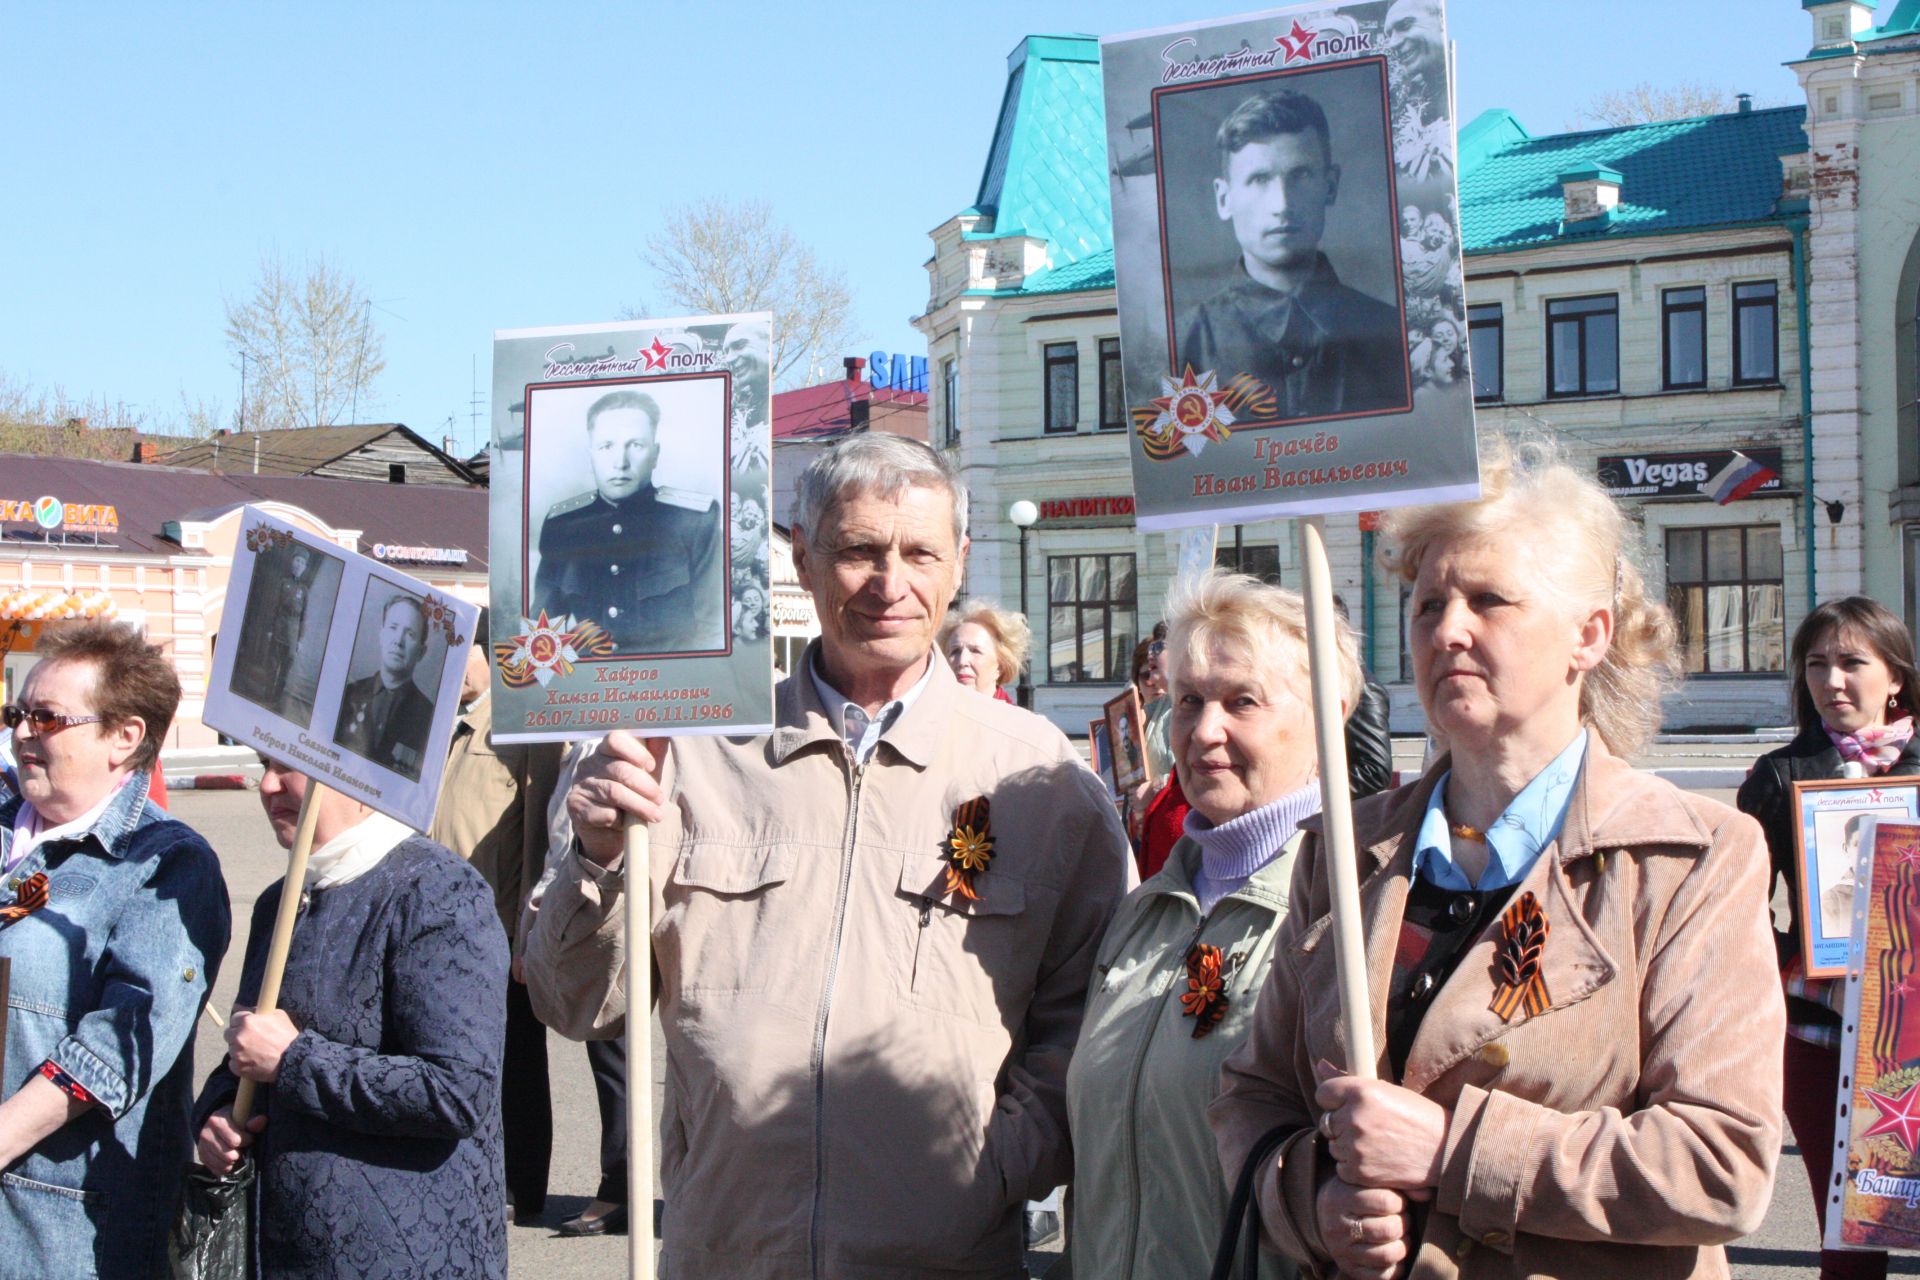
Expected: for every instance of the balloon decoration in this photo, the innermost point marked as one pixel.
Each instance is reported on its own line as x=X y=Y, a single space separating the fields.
x=53 y=604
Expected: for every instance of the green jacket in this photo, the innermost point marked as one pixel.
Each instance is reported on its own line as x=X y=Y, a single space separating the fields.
x=1148 y=1196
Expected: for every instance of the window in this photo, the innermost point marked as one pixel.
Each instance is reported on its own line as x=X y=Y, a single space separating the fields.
x=949 y=402
x=1756 y=332
x=1113 y=392
x=1091 y=625
x=1830 y=29
x=1683 y=322
x=1263 y=562
x=396 y=473
x=1485 y=339
x=1583 y=346
x=1062 y=385
x=1725 y=588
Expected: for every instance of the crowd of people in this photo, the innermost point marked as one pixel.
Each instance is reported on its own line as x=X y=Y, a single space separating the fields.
x=915 y=967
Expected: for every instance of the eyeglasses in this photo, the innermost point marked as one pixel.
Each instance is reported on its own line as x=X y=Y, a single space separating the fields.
x=44 y=721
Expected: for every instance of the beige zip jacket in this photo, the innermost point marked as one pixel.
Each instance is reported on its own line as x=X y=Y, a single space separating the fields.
x=1632 y=1128
x=865 y=1074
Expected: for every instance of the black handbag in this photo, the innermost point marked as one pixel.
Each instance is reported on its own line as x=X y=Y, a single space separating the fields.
x=1241 y=1231
x=212 y=1236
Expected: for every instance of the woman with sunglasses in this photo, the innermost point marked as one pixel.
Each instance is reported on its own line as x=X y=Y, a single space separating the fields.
x=114 y=918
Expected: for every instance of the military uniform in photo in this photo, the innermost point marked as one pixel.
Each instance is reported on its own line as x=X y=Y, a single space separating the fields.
x=388 y=726
x=647 y=567
x=283 y=620
x=1327 y=349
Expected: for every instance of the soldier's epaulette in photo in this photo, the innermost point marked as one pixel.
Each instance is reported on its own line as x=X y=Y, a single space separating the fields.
x=574 y=503
x=685 y=498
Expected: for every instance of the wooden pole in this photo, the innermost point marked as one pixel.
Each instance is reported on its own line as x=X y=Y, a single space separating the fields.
x=640 y=1256
x=291 y=891
x=1336 y=803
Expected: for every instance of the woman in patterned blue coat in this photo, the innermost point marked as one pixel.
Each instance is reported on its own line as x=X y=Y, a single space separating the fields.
x=378 y=1133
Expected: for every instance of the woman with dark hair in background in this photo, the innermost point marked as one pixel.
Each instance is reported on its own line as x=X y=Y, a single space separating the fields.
x=1855 y=691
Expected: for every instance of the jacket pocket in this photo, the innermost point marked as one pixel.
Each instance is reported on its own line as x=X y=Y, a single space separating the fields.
x=967 y=952
x=716 y=903
x=78 y=1195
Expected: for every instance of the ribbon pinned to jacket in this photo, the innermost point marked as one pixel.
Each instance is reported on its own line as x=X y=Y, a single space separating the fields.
x=1516 y=964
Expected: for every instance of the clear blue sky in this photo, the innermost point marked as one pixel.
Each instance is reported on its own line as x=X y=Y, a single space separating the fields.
x=480 y=166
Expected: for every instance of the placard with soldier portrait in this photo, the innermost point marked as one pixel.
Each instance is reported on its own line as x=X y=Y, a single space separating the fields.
x=630 y=529
x=338 y=667
x=1286 y=248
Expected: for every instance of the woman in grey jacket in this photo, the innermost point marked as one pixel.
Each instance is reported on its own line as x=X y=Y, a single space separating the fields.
x=1173 y=988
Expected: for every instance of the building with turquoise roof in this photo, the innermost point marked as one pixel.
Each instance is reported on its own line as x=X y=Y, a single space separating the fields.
x=1647 y=295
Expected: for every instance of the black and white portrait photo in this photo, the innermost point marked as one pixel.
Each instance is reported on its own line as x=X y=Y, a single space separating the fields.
x=386 y=707
x=283 y=634
x=627 y=511
x=1282 y=239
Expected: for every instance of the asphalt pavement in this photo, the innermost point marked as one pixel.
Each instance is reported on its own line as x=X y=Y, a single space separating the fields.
x=1785 y=1246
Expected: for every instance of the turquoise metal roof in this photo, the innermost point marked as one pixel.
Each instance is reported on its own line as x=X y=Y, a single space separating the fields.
x=1903 y=21
x=1675 y=175
x=1046 y=173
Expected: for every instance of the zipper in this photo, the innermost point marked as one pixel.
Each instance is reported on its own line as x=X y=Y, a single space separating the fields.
x=1133 y=1088
x=857 y=772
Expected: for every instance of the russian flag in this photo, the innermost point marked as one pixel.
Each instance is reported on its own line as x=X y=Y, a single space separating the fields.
x=1740 y=477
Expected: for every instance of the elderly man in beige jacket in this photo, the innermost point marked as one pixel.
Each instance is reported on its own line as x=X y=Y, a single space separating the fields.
x=873 y=929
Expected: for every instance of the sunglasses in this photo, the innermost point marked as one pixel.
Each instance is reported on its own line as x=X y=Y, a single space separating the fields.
x=43 y=720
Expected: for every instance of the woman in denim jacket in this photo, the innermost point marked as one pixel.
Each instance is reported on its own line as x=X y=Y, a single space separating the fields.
x=115 y=918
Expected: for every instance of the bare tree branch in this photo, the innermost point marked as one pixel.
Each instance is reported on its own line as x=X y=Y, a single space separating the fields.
x=716 y=257
x=1645 y=103
x=309 y=345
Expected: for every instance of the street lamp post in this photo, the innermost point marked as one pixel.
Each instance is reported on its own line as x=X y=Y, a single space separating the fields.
x=1023 y=514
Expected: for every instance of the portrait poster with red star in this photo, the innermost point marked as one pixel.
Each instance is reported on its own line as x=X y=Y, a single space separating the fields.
x=1874 y=1202
x=339 y=666
x=1286 y=232
x=630 y=570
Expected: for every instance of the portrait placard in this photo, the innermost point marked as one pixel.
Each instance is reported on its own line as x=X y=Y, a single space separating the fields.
x=1287 y=253
x=1127 y=740
x=1831 y=816
x=631 y=577
x=1100 y=754
x=1874 y=1197
x=340 y=667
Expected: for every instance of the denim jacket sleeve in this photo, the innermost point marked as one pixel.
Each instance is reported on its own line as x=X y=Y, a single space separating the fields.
x=159 y=963
x=447 y=1014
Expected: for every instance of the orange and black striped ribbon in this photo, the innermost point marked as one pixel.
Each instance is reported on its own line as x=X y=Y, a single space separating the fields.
x=1516 y=965
x=1902 y=899
x=969 y=847
x=31 y=897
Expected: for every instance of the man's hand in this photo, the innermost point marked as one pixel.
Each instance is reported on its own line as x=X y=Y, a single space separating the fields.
x=257 y=1041
x=1381 y=1135
x=220 y=1143
x=621 y=778
x=1364 y=1228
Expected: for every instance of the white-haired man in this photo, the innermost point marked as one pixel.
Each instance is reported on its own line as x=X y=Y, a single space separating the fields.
x=873 y=929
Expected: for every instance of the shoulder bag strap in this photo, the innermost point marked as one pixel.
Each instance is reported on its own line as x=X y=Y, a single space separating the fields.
x=1242 y=1227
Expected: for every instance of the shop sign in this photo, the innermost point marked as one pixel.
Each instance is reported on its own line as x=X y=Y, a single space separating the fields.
x=394 y=553
x=51 y=514
x=896 y=371
x=1063 y=510
x=1678 y=475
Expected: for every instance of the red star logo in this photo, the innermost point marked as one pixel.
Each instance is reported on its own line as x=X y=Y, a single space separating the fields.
x=656 y=355
x=1298 y=43
x=1907 y=851
x=1899 y=1117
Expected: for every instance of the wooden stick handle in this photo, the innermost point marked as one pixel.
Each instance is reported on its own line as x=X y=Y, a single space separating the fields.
x=1336 y=802
x=291 y=891
x=639 y=889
